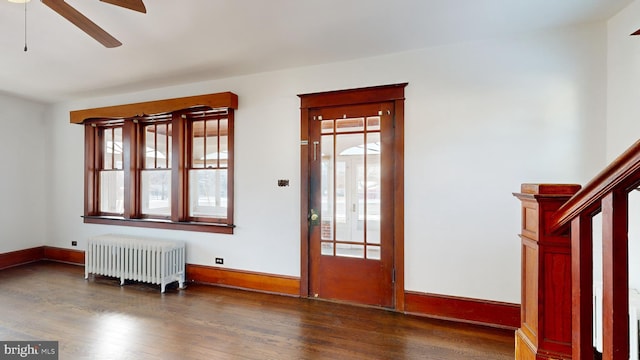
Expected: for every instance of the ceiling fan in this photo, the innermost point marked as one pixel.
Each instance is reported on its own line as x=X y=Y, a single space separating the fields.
x=85 y=24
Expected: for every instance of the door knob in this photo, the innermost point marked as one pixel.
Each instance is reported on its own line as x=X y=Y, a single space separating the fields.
x=314 y=217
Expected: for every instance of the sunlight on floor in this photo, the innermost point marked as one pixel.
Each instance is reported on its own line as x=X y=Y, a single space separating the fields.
x=116 y=332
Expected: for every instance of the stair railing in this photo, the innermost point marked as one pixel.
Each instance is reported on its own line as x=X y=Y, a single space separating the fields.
x=557 y=264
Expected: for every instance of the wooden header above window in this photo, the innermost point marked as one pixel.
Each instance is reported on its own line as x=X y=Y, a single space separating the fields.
x=213 y=101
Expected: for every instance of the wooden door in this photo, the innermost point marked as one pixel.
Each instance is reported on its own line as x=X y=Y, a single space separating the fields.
x=351 y=203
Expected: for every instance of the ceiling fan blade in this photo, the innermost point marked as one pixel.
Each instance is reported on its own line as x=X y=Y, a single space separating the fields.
x=135 y=5
x=637 y=32
x=84 y=23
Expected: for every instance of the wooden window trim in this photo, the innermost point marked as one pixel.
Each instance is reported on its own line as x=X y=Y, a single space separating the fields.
x=130 y=139
x=140 y=158
x=212 y=101
x=230 y=117
x=160 y=224
x=127 y=115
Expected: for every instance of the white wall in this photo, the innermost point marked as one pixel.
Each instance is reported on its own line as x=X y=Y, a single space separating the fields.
x=481 y=118
x=623 y=113
x=23 y=164
x=488 y=117
x=623 y=79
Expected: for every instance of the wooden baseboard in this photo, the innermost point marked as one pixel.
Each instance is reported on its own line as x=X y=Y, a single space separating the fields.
x=20 y=257
x=276 y=284
x=69 y=256
x=483 y=312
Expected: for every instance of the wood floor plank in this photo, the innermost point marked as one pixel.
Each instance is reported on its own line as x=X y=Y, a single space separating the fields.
x=99 y=319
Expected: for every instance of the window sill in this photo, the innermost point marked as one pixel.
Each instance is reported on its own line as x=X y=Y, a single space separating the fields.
x=160 y=224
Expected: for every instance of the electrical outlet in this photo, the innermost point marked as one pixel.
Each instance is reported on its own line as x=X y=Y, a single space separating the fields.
x=74 y=243
x=219 y=261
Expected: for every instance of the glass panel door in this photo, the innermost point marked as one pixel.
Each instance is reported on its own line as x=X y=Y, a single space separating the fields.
x=350 y=187
x=351 y=237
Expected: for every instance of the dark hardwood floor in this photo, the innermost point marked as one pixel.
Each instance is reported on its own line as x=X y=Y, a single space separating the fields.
x=98 y=319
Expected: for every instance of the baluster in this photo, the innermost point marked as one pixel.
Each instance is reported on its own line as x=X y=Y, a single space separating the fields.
x=582 y=287
x=615 y=276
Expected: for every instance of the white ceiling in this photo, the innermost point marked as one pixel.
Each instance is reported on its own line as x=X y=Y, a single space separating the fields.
x=181 y=41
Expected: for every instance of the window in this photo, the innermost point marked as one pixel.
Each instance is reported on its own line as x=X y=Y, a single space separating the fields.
x=111 y=177
x=208 y=168
x=155 y=175
x=170 y=170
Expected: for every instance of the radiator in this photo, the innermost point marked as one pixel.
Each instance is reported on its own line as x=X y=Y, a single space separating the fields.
x=136 y=258
x=634 y=317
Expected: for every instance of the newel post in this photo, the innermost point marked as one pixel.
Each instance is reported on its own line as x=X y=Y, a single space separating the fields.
x=545 y=325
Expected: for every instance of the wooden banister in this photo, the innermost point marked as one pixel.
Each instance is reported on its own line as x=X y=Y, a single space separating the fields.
x=553 y=220
x=622 y=174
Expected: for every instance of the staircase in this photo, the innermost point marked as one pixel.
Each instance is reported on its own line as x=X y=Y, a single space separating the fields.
x=557 y=264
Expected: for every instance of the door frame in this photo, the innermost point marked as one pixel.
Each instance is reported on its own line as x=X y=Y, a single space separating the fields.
x=386 y=93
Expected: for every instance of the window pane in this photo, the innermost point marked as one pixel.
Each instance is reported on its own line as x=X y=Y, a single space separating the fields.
x=117 y=148
x=327 y=126
x=326 y=183
x=373 y=123
x=208 y=193
x=350 y=178
x=197 y=144
x=373 y=252
x=344 y=125
x=150 y=140
x=350 y=250
x=343 y=230
x=155 y=190
x=157 y=146
x=167 y=141
x=224 y=143
x=326 y=248
x=372 y=188
x=211 y=144
x=112 y=152
x=112 y=192
x=107 y=161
